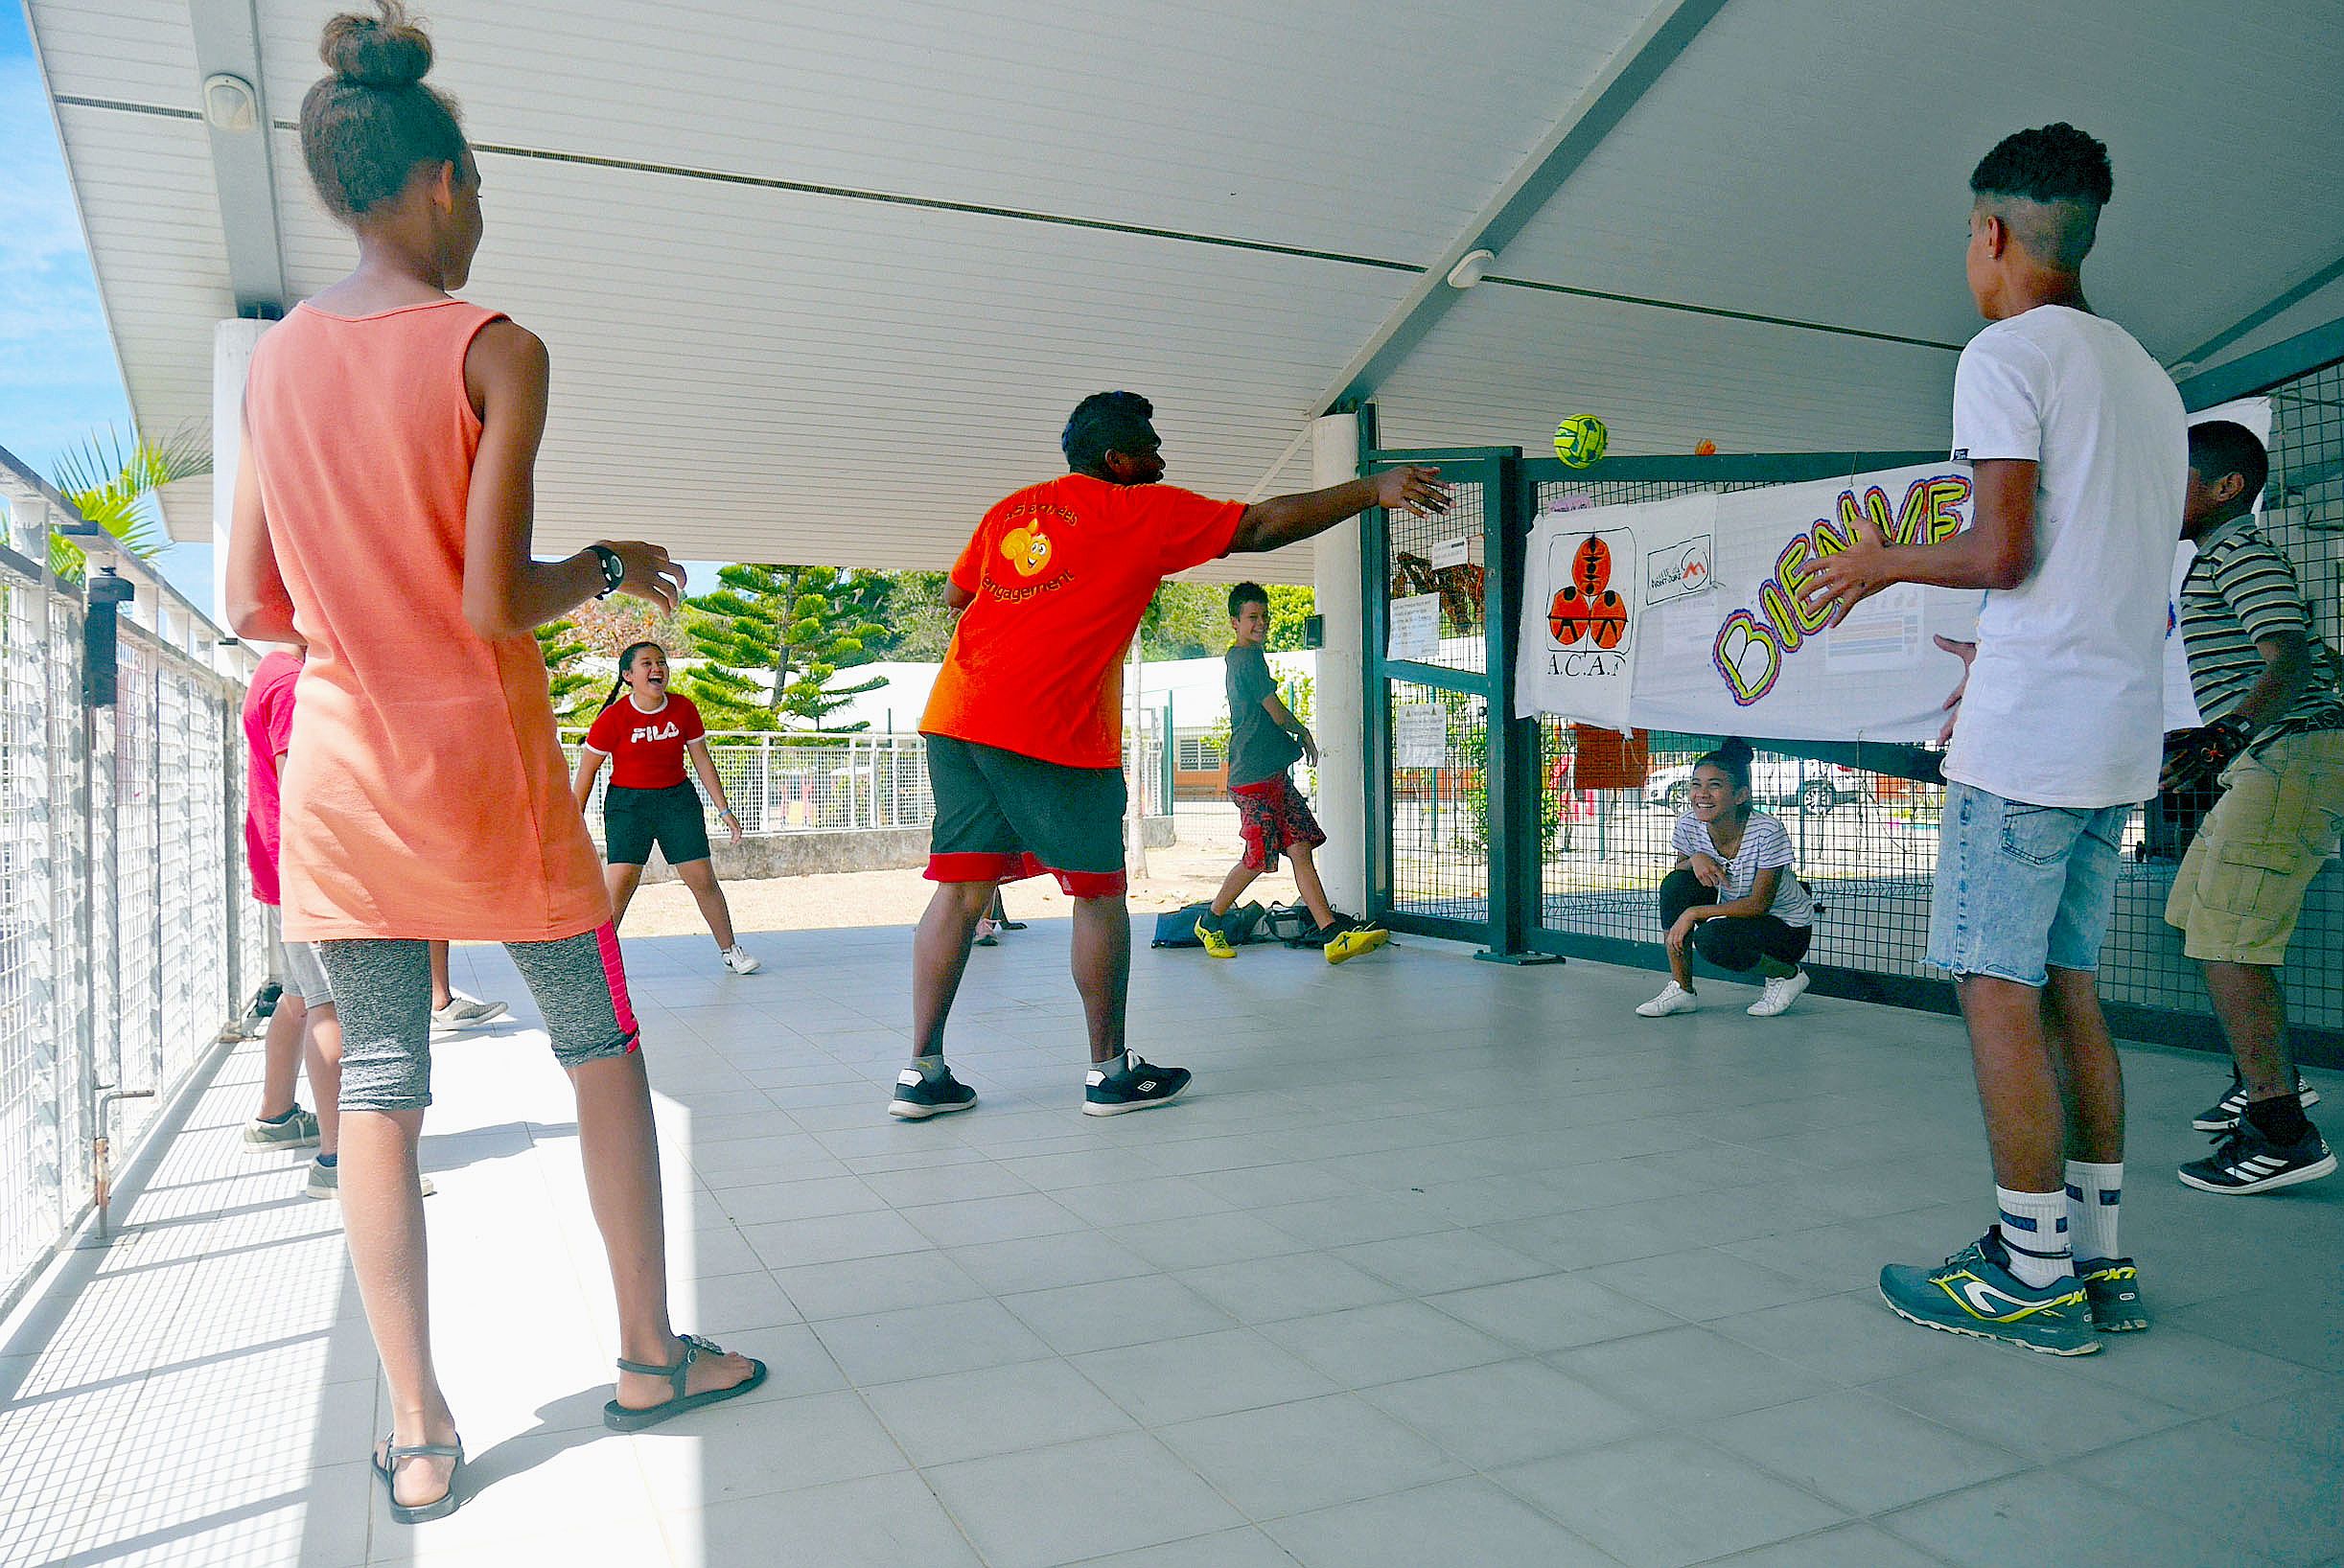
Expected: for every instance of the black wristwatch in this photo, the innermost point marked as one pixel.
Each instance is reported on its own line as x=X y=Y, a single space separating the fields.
x=614 y=569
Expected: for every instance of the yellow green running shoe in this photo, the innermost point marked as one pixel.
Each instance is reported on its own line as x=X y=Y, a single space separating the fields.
x=1974 y=1292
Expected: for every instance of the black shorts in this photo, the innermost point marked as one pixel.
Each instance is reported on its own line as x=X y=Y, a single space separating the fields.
x=1737 y=943
x=633 y=820
x=1001 y=815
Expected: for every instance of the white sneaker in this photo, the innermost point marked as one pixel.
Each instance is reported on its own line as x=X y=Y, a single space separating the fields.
x=1673 y=998
x=1779 y=994
x=738 y=960
x=464 y=1013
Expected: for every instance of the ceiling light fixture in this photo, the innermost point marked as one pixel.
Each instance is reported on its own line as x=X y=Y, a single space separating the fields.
x=1470 y=268
x=229 y=103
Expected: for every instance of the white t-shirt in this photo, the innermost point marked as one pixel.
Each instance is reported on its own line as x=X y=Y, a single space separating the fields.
x=1765 y=842
x=2065 y=701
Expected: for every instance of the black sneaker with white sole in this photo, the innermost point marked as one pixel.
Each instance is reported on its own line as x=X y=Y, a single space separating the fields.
x=1133 y=1085
x=2248 y=1160
x=919 y=1096
x=2224 y=1112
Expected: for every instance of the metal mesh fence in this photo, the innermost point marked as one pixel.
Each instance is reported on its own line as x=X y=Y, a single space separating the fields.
x=29 y=1150
x=1440 y=814
x=1867 y=842
x=1438 y=557
x=781 y=783
x=121 y=950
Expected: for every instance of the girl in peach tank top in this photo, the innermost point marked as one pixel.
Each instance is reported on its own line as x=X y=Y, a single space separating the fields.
x=416 y=738
x=382 y=518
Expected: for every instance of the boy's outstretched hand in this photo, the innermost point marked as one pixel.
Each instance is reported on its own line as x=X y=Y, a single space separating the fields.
x=1414 y=486
x=1847 y=578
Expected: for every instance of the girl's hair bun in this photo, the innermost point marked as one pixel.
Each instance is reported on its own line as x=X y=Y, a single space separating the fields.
x=385 y=51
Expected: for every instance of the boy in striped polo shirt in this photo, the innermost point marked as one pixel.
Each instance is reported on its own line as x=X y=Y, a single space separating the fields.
x=2272 y=698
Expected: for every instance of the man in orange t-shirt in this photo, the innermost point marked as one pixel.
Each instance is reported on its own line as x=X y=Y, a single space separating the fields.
x=1024 y=726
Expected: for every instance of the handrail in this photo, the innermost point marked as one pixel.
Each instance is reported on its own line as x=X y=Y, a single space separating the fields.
x=24 y=487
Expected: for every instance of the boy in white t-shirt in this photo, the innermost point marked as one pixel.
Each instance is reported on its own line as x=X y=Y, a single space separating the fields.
x=2079 y=448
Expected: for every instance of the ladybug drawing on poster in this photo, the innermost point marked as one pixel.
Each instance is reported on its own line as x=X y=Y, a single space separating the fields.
x=1590 y=612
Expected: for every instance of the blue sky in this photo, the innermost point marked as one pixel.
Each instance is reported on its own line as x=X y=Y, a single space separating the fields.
x=59 y=379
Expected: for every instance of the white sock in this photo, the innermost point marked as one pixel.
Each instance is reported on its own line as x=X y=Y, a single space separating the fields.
x=1111 y=1066
x=2034 y=1229
x=2092 y=1192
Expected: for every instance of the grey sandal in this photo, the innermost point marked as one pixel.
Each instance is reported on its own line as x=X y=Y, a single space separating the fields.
x=619 y=1418
x=386 y=1467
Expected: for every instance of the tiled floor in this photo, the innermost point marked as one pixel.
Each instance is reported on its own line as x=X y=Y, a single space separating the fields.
x=1444 y=1264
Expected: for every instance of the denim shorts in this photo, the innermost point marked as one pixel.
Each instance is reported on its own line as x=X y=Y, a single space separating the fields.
x=2022 y=888
x=304 y=974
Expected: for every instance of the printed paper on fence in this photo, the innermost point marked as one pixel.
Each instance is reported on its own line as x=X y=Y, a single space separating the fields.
x=1687 y=614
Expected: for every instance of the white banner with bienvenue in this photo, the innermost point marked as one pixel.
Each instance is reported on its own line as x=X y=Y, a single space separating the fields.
x=1687 y=614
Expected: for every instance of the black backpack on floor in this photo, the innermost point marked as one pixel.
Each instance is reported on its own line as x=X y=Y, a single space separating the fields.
x=1177 y=927
x=1290 y=924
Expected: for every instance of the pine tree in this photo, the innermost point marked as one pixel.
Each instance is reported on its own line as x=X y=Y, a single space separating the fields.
x=919 y=625
x=558 y=644
x=772 y=637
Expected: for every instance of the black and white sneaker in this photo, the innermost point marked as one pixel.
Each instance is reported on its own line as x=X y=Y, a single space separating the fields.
x=1133 y=1085
x=919 y=1096
x=2224 y=1112
x=2247 y=1161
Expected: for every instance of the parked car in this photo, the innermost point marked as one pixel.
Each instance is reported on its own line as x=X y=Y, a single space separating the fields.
x=1774 y=781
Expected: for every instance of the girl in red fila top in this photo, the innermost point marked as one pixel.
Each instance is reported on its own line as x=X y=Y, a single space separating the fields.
x=645 y=731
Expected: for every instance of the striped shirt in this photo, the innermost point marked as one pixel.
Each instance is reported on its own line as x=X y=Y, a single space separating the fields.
x=2241 y=592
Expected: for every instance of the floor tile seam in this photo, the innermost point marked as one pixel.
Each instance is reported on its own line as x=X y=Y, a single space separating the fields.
x=138 y=1380
x=1472 y=1474
x=1885 y=1519
x=211 y=1254
x=2067 y=1462
x=1847 y=1514
x=2023 y=1465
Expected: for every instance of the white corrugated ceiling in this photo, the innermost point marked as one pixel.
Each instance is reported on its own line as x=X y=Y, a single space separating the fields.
x=780 y=332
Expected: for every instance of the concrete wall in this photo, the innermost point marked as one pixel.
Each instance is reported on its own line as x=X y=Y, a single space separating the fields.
x=867 y=849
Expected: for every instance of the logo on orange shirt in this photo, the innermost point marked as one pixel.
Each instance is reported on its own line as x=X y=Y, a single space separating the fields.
x=1036 y=563
x=1028 y=548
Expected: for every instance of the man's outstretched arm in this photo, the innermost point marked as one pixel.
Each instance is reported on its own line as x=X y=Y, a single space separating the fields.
x=1285 y=520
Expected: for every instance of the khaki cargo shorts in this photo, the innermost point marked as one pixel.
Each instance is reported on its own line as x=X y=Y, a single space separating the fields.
x=2242 y=885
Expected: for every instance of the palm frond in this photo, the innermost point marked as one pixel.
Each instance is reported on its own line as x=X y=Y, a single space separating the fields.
x=110 y=480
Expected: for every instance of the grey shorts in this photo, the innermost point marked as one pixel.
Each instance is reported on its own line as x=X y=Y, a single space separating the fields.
x=382 y=989
x=305 y=975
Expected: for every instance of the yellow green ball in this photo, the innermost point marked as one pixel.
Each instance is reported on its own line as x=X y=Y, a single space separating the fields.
x=1580 y=440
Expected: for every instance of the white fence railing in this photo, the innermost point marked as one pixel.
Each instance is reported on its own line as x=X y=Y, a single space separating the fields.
x=798 y=783
x=127 y=938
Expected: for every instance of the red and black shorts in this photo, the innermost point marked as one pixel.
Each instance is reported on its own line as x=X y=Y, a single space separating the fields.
x=1001 y=815
x=1272 y=815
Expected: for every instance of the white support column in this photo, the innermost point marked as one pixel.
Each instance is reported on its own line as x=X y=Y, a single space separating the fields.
x=1339 y=715
x=232 y=344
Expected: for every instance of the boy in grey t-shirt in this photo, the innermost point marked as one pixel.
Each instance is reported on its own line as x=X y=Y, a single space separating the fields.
x=1264 y=740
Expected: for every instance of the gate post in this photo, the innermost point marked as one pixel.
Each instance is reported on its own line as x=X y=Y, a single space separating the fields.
x=1517 y=850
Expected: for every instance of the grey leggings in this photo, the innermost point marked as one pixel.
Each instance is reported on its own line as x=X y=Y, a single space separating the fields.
x=383 y=988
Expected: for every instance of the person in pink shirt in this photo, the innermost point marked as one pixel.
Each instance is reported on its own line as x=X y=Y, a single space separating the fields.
x=303 y=1030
